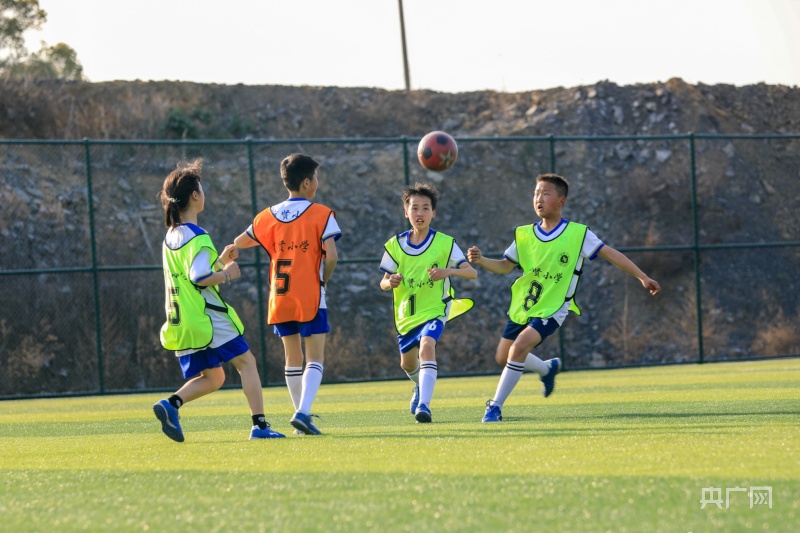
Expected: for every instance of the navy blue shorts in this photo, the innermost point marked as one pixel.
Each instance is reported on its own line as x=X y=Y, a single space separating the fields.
x=316 y=326
x=196 y=362
x=411 y=340
x=544 y=326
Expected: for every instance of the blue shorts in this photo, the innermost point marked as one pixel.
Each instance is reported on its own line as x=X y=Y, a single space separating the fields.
x=196 y=362
x=411 y=340
x=316 y=326
x=544 y=326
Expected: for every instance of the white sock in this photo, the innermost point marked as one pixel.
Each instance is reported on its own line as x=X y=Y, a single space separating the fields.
x=294 y=382
x=508 y=380
x=428 y=371
x=312 y=378
x=534 y=364
x=414 y=375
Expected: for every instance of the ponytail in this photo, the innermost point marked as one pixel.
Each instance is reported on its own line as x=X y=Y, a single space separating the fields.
x=177 y=190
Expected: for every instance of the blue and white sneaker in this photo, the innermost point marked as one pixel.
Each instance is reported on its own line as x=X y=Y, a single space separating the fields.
x=493 y=413
x=303 y=422
x=423 y=414
x=549 y=379
x=170 y=421
x=414 y=400
x=266 y=433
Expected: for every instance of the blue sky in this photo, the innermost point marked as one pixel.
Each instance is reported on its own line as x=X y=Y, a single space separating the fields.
x=453 y=45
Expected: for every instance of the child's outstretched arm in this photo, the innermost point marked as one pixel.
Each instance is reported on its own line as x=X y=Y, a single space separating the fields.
x=621 y=261
x=498 y=266
x=245 y=241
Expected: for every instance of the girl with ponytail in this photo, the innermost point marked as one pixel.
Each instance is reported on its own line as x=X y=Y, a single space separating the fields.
x=201 y=328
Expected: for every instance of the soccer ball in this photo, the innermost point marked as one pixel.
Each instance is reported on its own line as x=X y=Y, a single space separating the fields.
x=437 y=151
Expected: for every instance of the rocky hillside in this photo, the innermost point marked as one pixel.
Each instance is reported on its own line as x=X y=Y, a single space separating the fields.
x=633 y=188
x=156 y=110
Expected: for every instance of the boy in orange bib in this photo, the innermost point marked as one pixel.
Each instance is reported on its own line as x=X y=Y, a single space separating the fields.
x=300 y=238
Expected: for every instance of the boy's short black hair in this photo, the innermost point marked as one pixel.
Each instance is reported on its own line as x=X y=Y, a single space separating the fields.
x=560 y=182
x=422 y=189
x=295 y=168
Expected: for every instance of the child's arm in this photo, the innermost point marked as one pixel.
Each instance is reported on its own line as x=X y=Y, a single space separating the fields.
x=231 y=271
x=245 y=241
x=621 y=261
x=224 y=275
x=498 y=266
x=331 y=258
x=464 y=270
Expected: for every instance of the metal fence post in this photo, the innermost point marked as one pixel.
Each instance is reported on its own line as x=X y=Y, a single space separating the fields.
x=696 y=245
x=95 y=283
x=406 y=177
x=551 y=143
x=262 y=319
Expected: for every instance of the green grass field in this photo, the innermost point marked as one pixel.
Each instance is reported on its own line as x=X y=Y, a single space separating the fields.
x=613 y=450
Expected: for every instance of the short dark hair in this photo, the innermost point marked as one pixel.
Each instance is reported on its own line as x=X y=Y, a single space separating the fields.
x=422 y=189
x=295 y=168
x=561 y=184
x=178 y=188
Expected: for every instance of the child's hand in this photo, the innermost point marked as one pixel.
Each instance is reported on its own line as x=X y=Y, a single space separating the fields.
x=437 y=273
x=395 y=280
x=230 y=253
x=233 y=270
x=652 y=285
x=474 y=255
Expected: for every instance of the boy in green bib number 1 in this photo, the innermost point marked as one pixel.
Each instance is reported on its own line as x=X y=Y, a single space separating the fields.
x=417 y=265
x=550 y=254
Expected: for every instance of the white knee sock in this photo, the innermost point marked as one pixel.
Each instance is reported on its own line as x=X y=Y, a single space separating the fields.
x=428 y=371
x=294 y=382
x=312 y=378
x=414 y=375
x=508 y=380
x=534 y=364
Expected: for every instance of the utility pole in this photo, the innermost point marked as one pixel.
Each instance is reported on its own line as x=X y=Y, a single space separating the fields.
x=403 y=39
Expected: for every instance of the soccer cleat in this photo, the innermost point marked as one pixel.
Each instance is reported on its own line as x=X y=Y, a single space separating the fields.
x=266 y=433
x=303 y=422
x=170 y=420
x=414 y=400
x=423 y=414
x=493 y=413
x=549 y=379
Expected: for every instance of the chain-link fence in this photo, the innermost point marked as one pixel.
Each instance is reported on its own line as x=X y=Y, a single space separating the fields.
x=712 y=217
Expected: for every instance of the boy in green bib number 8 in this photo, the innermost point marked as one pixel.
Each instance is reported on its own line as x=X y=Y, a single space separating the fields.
x=550 y=254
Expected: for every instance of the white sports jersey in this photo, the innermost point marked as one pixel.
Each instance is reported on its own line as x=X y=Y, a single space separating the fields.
x=389 y=266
